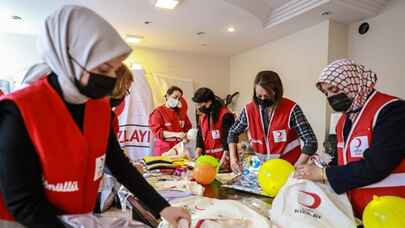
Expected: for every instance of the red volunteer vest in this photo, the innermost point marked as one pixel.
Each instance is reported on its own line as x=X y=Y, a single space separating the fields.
x=358 y=141
x=72 y=161
x=172 y=121
x=281 y=140
x=212 y=136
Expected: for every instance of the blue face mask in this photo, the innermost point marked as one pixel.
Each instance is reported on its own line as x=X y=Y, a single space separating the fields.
x=172 y=103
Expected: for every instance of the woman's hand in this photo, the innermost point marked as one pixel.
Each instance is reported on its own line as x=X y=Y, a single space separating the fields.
x=309 y=172
x=174 y=214
x=235 y=165
x=198 y=152
x=234 y=161
x=224 y=162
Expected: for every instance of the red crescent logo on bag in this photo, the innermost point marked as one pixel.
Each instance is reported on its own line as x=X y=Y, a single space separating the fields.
x=316 y=200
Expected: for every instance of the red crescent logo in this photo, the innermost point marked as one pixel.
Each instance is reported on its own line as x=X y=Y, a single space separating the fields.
x=199 y=209
x=203 y=207
x=357 y=143
x=315 y=204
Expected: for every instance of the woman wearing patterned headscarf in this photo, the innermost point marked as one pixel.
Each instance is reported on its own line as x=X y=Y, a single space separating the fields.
x=370 y=135
x=56 y=133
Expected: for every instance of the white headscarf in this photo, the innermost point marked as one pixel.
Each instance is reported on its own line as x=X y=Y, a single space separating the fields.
x=75 y=32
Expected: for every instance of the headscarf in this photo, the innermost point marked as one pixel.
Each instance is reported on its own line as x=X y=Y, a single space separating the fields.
x=79 y=33
x=355 y=80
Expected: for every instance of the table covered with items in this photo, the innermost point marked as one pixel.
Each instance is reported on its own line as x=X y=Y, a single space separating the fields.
x=264 y=195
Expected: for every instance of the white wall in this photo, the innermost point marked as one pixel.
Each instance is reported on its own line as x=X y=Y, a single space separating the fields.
x=299 y=59
x=338 y=49
x=204 y=70
x=382 y=49
x=17 y=53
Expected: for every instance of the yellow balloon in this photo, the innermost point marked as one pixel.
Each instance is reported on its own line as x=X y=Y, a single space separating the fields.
x=273 y=174
x=384 y=212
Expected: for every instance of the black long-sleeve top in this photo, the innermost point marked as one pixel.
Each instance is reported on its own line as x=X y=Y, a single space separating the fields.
x=21 y=173
x=227 y=121
x=386 y=151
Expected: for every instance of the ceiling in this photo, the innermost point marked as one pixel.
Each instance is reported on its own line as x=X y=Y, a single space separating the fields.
x=256 y=21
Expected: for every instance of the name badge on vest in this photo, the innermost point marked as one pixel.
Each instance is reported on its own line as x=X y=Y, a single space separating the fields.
x=216 y=134
x=358 y=145
x=182 y=123
x=280 y=136
x=99 y=169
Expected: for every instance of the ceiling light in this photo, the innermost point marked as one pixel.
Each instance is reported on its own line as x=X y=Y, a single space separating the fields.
x=167 y=4
x=133 y=39
x=231 y=29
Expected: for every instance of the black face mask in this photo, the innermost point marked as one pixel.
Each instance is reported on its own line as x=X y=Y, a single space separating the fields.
x=265 y=103
x=97 y=87
x=340 y=102
x=115 y=102
x=205 y=110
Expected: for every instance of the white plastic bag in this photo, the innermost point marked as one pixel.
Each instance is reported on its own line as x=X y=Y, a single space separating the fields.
x=91 y=221
x=183 y=149
x=306 y=204
x=214 y=213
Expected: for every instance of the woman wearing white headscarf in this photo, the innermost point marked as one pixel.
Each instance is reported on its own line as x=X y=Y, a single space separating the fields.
x=56 y=133
x=370 y=135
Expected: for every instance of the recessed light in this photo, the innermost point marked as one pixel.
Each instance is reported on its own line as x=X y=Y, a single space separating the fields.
x=15 y=17
x=147 y=22
x=231 y=29
x=200 y=33
x=167 y=4
x=133 y=39
x=204 y=45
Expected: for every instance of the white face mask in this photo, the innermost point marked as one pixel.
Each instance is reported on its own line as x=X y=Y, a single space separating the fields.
x=172 y=103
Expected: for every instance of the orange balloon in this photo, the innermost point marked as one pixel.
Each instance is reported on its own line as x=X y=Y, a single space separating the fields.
x=204 y=173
